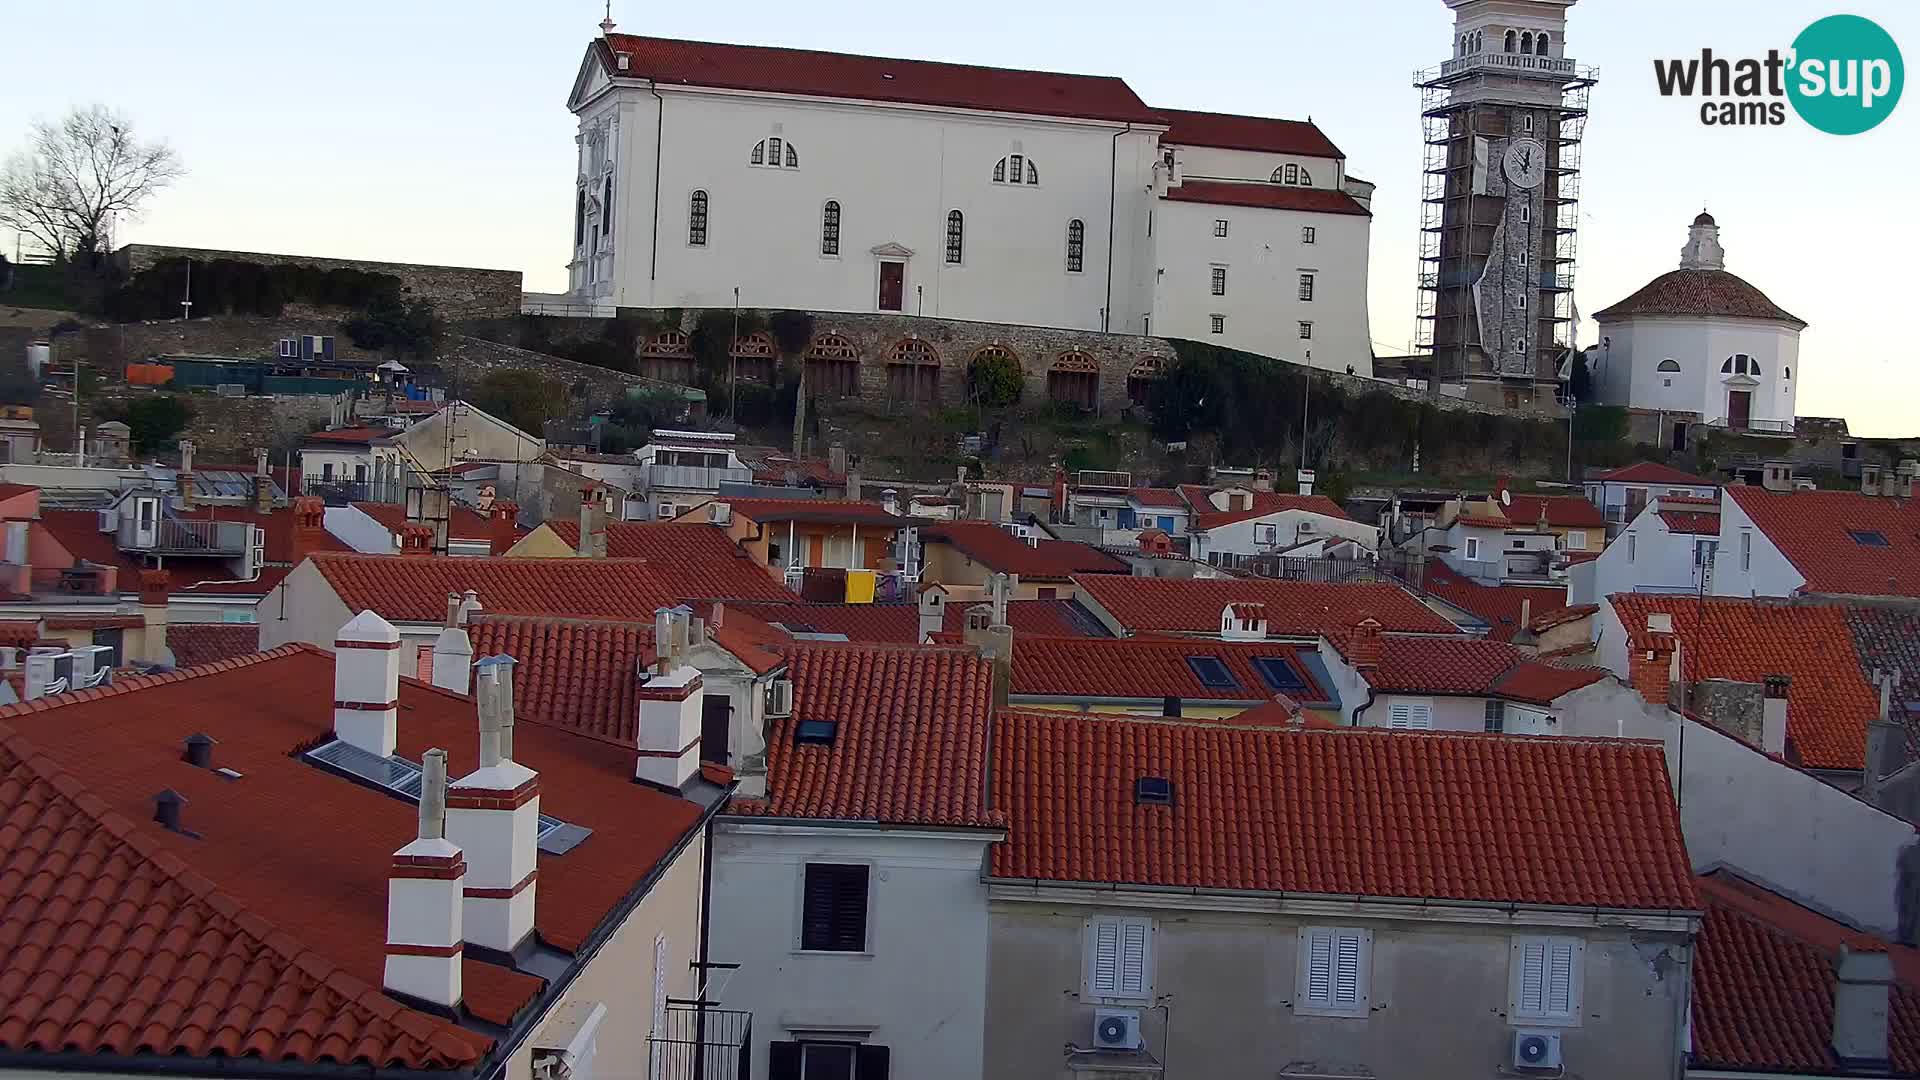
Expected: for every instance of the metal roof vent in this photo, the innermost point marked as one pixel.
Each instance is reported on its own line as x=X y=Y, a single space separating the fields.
x=199 y=751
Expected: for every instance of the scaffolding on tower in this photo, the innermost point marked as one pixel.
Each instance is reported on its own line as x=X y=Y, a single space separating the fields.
x=1444 y=325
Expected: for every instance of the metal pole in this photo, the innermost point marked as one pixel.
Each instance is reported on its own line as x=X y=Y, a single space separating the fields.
x=1306 y=395
x=733 y=364
x=1572 y=406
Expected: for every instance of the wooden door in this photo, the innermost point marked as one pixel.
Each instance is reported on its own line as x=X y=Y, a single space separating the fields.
x=893 y=285
x=1739 y=408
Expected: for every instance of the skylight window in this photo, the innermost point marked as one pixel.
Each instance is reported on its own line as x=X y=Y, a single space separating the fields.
x=1212 y=673
x=1868 y=537
x=401 y=778
x=1280 y=676
x=1153 y=791
x=820 y=732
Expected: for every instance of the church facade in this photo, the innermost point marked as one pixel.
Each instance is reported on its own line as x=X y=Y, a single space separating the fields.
x=714 y=176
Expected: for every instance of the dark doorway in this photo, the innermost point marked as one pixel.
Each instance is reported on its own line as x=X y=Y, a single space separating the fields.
x=1680 y=436
x=1739 y=409
x=893 y=285
x=716 y=723
x=113 y=638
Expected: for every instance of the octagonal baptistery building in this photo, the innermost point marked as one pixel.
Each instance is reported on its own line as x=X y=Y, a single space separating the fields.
x=1701 y=340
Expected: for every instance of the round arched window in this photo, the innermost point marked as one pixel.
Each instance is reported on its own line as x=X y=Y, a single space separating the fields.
x=1669 y=365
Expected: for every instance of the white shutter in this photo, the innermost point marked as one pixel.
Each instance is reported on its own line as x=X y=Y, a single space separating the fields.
x=1422 y=713
x=1559 y=989
x=1120 y=959
x=1533 y=978
x=1320 y=967
x=1105 y=973
x=1133 y=958
x=1333 y=971
x=1546 y=980
x=1400 y=715
x=1346 y=969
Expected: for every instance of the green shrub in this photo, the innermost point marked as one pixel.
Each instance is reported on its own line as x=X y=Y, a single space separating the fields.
x=994 y=381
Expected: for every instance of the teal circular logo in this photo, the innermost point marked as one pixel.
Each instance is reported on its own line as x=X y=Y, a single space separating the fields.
x=1846 y=75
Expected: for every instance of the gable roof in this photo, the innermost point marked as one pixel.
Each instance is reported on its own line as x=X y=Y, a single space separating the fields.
x=872 y=78
x=1829 y=703
x=1563 y=511
x=1812 y=529
x=1471 y=667
x=1264 y=503
x=1349 y=812
x=697 y=559
x=910 y=744
x=1700 y=292
x=1155 y=668
x=414 y=589
x=1261 y=134
x=1691 y=522
x=1296 y=609
x=288 y=841
x=1267 y=196
x=197 y=644
x=1650 y=472
x=577 y=674
x=462 y=522
x=999 y=550
x=900 y=623
x=1763 y=983
x=1499 y=605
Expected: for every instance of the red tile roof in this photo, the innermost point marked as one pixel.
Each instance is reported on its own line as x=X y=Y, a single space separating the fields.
x=1700 y=292
x=1830 y=702
x=872 y=78
x=900 y=623
x=1812 y=529
x=19 y=633
x=1691 y=522
x=1264 y=503
x=911 y=742
x=1280 y=711
x=577 y=674
x=1267 y=196
x=79 y=532
x=1298 y=609
x=359 y=436
x=1763 y=984
x=194 y=644
x=829 y=511
x=1351 y=812
x=1150 y=668
x=1563 y=511
x=177 y=948
x=999 y=550
x=698 y=560
x=1158 y=498
x=1261 y=134
x=1471 y=667
x=462 y=523
x=414 y=589
x=1650 y=472
x=1499 y=605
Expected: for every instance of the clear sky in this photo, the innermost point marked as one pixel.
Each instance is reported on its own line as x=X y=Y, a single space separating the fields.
x=438 y=132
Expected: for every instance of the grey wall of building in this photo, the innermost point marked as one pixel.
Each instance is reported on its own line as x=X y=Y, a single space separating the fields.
x=455 y=291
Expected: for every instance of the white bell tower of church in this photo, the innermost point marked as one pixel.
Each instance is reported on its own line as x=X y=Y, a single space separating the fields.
x=1503 y=120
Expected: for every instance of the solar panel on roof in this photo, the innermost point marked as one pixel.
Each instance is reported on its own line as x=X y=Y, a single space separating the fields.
x=400 y=777
x=1279 y=675
x=1212 y=673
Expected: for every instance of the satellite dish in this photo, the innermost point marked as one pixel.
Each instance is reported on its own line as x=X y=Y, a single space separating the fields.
x=1506 y=497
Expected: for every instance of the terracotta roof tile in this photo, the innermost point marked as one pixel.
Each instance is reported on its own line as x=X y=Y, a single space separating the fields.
x=1563 y=511
x=1499 y=605
x=1264 y=503
x=1471 y=667
x=1691 y=523
x=1764 y=978
x=195 y=644
x=910 y=744
x=462 y=523
x=1262 y=134
x=1158 y=498
x=1829 y=704
x=873 y=78
x=577 y=674
x=900 y=623
x=841 y=511
x=1650 y=472
x=1297 y=609
x=1351 y=812
x=1267 y=196
x=1813 y=529
x=1699 y=292
x=999 y=550
x=78 y=531
x=696 y=559
x=355 y=436
x=414 y=589
x=1153 y=668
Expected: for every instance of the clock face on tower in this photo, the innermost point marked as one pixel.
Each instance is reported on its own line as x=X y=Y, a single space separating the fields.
x=1526 y=163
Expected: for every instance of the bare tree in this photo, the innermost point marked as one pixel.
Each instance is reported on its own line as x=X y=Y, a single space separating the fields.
x=65 y=188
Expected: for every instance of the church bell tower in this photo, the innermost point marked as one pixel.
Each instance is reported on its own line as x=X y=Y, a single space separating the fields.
x=1503 y=119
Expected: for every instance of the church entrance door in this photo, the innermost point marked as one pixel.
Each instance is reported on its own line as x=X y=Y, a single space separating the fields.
x=1739 y=409
x=893 y=285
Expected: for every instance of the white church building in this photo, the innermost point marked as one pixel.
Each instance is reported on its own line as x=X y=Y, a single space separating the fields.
x=1701 y=340
x=712 y=175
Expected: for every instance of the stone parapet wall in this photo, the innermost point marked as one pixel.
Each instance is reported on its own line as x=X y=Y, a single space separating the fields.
x=456 y=292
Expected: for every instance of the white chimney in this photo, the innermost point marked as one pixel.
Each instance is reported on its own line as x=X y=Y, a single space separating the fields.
x=1862 y=993
x=1305 y=477
x=366 y=683
x=425 y=891
x=890 y=501
x=1773 y=714
x=469 y=604
x=670 y=701
x=453 y=659
x=933 y=611
x=493 y=814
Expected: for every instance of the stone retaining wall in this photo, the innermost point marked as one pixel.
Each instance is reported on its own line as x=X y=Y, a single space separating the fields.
x=456 y=292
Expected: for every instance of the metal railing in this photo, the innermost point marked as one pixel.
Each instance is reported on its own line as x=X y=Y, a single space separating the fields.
x=1519 y=63
x=1753 y=427
x=701 y=1041
x=695 y=477
x=338 y=492
x=172 y=536
x=1411 y=570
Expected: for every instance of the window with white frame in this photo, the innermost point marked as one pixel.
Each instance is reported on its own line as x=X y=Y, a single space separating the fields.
x=1306 y=330
x=774 y=153
x=1219 y=281
x=1120 y=960
x=1410 y=714
x=1577 y=540
x=1219 y=226
x=1306 y=287
x=1217 y=323
x=697 y=219
x=830 y=228
x=1496 y=718
x=1335 y=965
x=1473 y=549
x=1746 y=550
x=1015 y=169
x=1633 y=546
x=1308 y=234
x=1266 y=534
x=1545 y=980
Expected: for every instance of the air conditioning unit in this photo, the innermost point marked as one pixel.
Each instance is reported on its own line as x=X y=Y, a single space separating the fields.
x=1536 y=1050
x=780 y=698
x=719 y=513
x=1116 y=1029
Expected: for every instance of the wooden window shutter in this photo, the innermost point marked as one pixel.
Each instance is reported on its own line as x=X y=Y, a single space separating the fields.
x=783 y=1061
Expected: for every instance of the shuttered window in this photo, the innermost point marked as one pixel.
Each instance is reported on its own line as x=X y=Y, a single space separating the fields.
x=827 y=1061
x=834 y=911
x=1410 y=715
x=1546 y=980
x=1120 y=959
x=1335 y=969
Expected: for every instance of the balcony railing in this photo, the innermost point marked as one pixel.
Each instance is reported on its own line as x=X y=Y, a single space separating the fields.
x=1510 y=63
x=1753 y=427
x=700 y=1041
x=695 y=477
x=171 y=536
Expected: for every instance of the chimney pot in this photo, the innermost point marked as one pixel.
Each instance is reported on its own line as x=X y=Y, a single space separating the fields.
x=425 y=901
x=1862 y=1003
x=366 y=683
x=493 y=816
x=199 y=751
x=670 y=704
x=168 y=806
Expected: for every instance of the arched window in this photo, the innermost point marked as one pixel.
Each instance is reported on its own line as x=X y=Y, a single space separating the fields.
x=1306 y=179
x=1000 y=171
x=1669 y=365
x=773 y=152
x=1033 y=172
x=1526 y=42
x=759 y=153
x=1293 y=174
x=1786 y=373
x=830 y=228
x=1016 y=169
x=956 y=236
x=1540 y=44
x=1512 y=40
x=697 y=219
x=1076 y=245
x=1740 y=364
x=793 y=159
x=606 y=208
x=579 y=217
